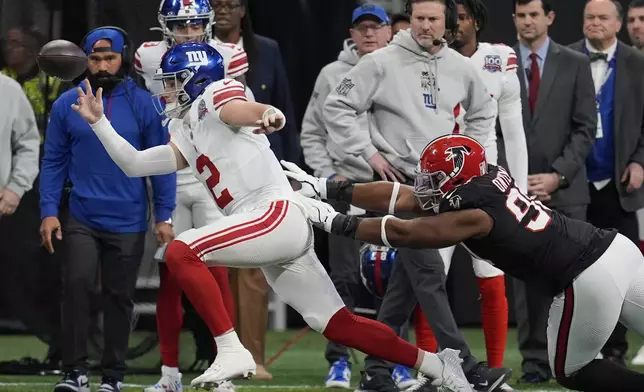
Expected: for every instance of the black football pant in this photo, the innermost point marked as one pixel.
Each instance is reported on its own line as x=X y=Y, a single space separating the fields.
x=531 y=309
x=110 y=260
x=605 y=211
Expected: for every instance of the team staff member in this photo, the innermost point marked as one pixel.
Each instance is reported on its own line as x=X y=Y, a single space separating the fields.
x=108 y=210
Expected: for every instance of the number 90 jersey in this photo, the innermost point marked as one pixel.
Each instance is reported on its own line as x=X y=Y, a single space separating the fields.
x=528 y=240
x=237 y=166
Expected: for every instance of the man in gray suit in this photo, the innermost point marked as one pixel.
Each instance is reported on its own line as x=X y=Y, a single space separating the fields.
x=615 y=161
x=560 y=120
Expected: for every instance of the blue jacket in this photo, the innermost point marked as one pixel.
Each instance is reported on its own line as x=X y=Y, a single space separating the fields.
x=102 y=196
x=267 y=79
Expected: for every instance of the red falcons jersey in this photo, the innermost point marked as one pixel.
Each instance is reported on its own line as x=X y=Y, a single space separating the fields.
x=148 y=57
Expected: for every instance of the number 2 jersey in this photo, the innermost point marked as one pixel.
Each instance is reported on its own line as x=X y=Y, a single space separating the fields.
x=528 y=241
x=237 y=166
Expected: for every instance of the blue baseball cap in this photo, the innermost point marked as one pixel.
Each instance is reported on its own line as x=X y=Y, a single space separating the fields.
x=116 y=38
x=370 y=9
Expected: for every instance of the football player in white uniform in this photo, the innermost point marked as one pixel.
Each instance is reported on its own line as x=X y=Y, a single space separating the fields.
x=497 y=64
x=264 y=225
x=185 y=21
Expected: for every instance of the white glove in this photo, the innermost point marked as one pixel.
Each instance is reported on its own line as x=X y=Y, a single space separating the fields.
x=311 y=186
x=319 y=213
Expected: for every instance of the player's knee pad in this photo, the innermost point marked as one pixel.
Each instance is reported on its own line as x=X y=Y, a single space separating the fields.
x=316 y=321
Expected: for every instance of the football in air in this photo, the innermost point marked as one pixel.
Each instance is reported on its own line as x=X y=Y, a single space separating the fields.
x=62 y=60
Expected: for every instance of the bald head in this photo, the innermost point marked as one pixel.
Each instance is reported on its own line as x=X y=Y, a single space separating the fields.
x=602 y=22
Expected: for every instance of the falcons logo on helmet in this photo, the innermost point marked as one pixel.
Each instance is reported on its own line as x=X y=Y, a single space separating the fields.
x=457 y=156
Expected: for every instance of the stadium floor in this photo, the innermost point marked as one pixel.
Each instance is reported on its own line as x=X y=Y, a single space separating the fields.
x=300 y=368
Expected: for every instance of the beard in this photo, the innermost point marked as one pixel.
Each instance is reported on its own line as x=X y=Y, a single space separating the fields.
x=105 y=80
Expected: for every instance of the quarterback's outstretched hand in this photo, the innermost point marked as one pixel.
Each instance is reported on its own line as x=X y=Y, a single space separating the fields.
x=319 y=213
x=311 y=186
x=89 y=107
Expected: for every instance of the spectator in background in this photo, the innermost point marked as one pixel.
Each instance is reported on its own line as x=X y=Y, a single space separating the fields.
x=615 y=161
x=370 y=31
x=19 y=142
x=20 y=49
x=105 y=229
x=267 y=79
x=399 y=22
x=635 y=24
x=559 y=118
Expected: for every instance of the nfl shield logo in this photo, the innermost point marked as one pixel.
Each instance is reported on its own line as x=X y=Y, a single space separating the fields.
x=492 y=63
x=344 y=87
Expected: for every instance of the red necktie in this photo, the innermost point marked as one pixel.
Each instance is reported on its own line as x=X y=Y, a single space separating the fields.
x=535 y=79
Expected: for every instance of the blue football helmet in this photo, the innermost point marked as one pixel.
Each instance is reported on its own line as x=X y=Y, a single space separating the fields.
x=186 y=70
x=376 y=264
x=183 y=12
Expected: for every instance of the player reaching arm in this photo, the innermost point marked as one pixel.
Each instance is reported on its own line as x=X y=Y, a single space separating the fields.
x=235 y=111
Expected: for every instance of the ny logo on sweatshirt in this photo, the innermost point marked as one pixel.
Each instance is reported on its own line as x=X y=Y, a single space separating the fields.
x=430 y=102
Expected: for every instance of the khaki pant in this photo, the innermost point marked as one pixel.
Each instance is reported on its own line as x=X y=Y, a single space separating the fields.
x=250 y=289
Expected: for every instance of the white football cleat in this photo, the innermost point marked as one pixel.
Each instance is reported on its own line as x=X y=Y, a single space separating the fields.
x=227 y=366
x=638 y=360
x=167 y=383
x=225 y=386
x=452 y=379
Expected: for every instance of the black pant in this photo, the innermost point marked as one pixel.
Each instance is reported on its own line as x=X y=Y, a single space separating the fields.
x=605 y=211
x=532 y=308
x=119 y=257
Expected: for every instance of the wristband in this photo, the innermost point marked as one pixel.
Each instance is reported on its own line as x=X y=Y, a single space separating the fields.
x=339 y=191
x=345 y=225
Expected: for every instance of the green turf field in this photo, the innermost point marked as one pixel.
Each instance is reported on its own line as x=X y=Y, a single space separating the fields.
x=301 y=368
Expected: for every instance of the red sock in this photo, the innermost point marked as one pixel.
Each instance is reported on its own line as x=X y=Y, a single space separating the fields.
x=221 y=276
x=169 y=317
x=425 y=339
x=494 y=317
x=370 y=337
x=199 y=285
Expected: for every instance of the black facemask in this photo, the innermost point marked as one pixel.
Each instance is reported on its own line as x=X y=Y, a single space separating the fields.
x=105 y=80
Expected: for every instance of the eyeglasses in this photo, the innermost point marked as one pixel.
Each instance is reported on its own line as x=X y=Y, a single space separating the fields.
x=363 y=29
x=219 y=6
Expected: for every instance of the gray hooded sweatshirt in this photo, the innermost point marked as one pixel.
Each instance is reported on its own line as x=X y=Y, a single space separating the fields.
x=320 y=152
x=19 y=139
x=413 y=96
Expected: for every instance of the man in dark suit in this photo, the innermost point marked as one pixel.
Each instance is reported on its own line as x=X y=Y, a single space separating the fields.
x=615 y=161
x=560 y=119
x=267 y=80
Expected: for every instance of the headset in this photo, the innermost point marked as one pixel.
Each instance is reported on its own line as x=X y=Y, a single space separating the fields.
x=451 y=14
x=128 y=46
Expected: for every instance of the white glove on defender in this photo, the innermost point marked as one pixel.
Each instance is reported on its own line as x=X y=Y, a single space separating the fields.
x=313 y=187
x=319 y=213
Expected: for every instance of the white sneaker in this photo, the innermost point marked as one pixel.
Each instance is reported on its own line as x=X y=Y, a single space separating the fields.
x=453 y=379
x=638 y=360
x=167 y=383
x=227 y=366
x=225 y=386
x=506 y=388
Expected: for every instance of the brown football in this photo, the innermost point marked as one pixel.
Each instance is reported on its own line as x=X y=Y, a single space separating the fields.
x=62 y=60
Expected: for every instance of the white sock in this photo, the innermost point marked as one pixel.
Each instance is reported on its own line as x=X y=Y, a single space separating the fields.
x=170 y=371
x=229 y=340
x=431 y=366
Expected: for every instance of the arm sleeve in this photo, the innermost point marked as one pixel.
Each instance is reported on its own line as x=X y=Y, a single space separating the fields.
x=511 y=119
x=352 y=97
x=314 y=135
x=25 y=145
x=282 y=100
x=134 y=163
x=480 y=115
x=583 y=124
x=164 y=187
x=55 y=162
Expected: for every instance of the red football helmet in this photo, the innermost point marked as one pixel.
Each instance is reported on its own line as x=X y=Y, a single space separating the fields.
x=447 y=162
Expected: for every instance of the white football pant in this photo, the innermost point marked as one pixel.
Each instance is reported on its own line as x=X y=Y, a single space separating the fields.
x=482 y=269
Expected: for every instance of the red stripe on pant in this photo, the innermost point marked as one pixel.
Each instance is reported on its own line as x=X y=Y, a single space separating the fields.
x=564 y=333
x=244 y=231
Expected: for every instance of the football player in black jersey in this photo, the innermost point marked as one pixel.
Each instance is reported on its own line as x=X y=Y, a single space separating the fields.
x=595 y=276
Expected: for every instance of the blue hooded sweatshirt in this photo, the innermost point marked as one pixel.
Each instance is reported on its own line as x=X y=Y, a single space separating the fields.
x=102 y=196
